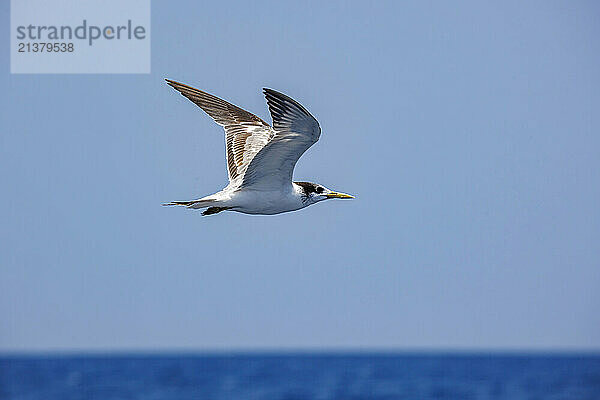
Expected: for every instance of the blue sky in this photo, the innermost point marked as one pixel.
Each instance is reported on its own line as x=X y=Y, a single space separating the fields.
x=469 y=133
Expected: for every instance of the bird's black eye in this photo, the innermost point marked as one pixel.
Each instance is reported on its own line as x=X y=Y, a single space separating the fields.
x=319 y=189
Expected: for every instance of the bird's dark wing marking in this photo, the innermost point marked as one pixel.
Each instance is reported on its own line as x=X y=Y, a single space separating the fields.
x=245 y=133
x=295 y=131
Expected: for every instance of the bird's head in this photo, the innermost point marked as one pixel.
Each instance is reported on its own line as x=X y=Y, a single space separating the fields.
x=313 y=192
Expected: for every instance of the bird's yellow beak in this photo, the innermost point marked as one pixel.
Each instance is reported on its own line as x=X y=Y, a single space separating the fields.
x=336 y=195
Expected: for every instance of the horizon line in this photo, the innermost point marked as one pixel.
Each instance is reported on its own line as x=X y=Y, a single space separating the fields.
x=283 y=351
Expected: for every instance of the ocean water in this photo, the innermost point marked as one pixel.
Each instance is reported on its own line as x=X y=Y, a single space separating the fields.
x=300 y=376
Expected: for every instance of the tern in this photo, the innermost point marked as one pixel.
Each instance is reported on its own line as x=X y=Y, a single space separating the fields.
x=260 y=158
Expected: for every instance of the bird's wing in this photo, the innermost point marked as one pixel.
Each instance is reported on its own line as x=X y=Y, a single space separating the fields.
x=295 y=131
x=245 y=133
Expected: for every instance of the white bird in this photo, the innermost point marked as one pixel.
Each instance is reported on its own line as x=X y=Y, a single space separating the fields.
x=260 y=158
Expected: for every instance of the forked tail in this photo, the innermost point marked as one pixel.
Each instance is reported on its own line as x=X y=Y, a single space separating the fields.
x=200 y=203
x=209 y=204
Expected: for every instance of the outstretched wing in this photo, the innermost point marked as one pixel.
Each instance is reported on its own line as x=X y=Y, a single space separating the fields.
x=295 y=131
x=245 y=133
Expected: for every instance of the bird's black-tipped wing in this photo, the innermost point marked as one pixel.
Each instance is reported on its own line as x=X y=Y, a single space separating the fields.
x=245 y=133
x=295 y=131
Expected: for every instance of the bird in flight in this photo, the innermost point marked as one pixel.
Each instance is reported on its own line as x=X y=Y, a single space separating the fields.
x=260 y=158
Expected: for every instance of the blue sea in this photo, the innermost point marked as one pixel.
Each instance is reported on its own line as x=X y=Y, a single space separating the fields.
x=300 y=376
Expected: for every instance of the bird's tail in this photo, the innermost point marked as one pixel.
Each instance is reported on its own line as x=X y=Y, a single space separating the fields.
x=200 y=203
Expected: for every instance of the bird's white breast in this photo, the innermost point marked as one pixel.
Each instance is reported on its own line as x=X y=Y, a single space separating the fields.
x=251 y=201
